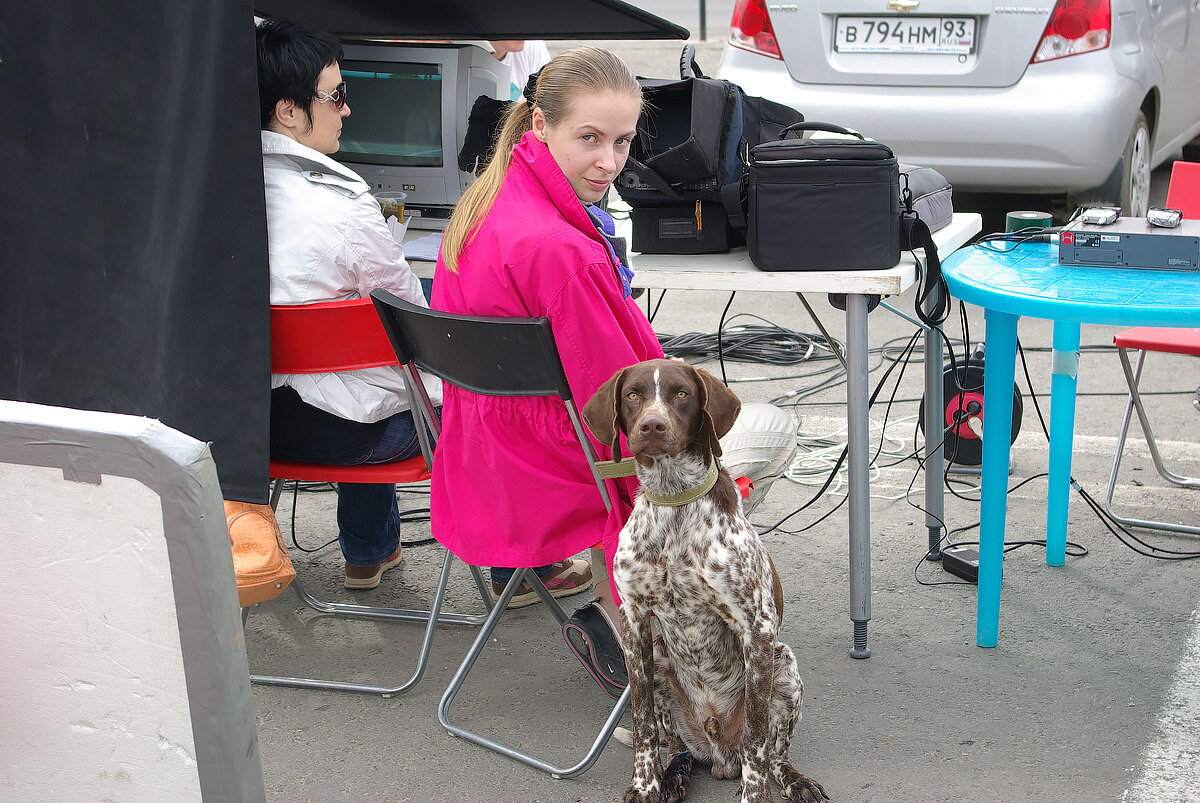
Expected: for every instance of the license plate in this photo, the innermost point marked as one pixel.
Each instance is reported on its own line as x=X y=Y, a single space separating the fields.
x=949 y=35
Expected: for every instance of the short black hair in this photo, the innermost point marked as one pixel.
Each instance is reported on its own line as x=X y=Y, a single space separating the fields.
x=290 y=60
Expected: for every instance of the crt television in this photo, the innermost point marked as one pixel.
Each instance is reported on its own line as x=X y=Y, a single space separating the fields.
x=408 y=115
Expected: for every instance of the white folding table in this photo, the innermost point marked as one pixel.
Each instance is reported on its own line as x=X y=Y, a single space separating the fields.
x=734 y=271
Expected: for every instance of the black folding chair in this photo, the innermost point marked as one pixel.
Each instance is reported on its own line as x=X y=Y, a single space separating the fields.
x=494 y=357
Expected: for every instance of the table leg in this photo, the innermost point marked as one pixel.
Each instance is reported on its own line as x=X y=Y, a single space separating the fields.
x=934 y=442
x=1064 y=372
x=1001 y=352
x=857 y=462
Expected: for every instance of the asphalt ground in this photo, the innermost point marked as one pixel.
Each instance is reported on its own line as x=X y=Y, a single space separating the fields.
x=1090 y=694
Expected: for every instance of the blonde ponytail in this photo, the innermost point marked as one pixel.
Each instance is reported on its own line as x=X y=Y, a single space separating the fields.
x=570 y=73
x=477 y=201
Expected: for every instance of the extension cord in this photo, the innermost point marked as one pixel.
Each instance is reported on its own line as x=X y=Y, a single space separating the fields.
x=961 y=561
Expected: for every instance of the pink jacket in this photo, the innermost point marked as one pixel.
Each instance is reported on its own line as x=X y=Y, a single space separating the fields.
x=510 y=484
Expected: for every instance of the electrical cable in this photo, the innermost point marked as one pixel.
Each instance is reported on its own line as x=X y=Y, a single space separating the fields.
x=1029 y=234
x=841 y=458
x=720 y=333
x=766 y=343
x=651 y=315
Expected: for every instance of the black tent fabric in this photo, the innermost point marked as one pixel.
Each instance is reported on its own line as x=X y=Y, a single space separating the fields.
x=134 y=269
x=476 y=19
x=134 y=256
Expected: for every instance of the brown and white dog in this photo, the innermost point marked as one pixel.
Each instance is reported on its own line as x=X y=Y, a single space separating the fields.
x=715 y=683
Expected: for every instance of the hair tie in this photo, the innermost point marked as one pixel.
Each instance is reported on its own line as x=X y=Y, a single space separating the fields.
x=531 y=86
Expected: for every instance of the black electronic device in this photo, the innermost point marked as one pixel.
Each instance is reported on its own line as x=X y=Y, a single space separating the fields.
x=962 y=404
x=1131 y=242
x=962 y=561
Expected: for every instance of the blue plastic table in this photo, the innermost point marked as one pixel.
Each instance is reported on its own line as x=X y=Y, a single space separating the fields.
x=1029 y=281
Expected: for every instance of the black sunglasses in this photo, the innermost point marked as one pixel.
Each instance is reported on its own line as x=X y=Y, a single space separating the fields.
x=338 y=96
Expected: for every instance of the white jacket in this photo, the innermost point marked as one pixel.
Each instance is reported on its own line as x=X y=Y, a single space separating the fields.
x=327 y=242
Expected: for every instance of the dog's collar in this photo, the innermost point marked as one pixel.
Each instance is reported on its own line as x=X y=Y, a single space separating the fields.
x=676 y=500
x=612 y=469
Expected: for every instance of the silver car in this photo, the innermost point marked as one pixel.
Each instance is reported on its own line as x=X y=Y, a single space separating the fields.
x=1076 y=98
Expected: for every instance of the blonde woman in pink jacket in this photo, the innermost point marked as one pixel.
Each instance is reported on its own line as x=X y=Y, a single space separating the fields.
x=510 y=485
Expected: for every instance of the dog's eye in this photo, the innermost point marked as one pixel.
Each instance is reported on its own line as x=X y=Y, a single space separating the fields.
x=682 y=394
x=632 y=395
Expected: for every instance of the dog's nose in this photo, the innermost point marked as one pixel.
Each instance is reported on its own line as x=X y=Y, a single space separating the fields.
x=652 y=424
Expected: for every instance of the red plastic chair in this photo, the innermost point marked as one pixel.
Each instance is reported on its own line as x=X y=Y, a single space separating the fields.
x=1146 y=339
x=323 y=338
x=343 y=336
x=1183 y=193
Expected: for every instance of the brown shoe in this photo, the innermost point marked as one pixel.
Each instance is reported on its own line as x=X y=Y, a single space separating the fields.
x=362 y=578
x=567 y=577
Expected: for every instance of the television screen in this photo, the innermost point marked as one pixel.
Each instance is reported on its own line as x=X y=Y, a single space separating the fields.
x=395 y=113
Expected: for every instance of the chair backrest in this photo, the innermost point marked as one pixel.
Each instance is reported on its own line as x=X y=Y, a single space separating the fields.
x=485 y=355
x=1183 y=191
x=328 y=336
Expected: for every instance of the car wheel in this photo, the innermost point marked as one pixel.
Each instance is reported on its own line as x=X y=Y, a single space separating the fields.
x=1135 y=177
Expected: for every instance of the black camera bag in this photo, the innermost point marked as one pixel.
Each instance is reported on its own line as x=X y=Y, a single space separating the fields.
x=689 y=154
x=823 y=204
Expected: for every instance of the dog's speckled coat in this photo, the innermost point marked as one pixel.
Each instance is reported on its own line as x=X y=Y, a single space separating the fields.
x=715 y=682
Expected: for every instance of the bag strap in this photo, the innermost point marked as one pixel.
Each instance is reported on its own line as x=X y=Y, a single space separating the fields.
x=651 y=177
x=930 y=282
x=688 y=68
x=735 y=205
x=832 y=128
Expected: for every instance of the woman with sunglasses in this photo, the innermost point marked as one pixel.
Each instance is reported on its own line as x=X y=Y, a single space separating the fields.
x=327 y=242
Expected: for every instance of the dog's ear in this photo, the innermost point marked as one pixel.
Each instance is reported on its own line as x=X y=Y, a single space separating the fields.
x=602 y=413
x=719 y=408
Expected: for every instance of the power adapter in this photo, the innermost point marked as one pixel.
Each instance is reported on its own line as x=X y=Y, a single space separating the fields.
x=962 y=561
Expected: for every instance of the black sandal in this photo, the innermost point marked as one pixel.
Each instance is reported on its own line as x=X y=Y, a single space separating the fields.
x=591 y=636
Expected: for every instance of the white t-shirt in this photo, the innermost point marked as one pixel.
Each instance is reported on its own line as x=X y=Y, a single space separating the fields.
x=525 y=63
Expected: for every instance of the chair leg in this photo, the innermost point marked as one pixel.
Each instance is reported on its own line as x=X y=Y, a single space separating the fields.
x=432 y=617
x=481 y=641
x=1133 y=379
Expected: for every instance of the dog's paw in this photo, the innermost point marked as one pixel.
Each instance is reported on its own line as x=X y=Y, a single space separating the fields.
x=677 y=777
x=805 y=790
x=635 y=795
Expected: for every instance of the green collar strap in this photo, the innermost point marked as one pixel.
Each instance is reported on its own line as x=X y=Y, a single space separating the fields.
x=679 y=499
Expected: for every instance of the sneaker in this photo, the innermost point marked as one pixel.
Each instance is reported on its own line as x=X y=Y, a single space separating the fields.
x=567 y=577
x=593 y=638
x=362 y=578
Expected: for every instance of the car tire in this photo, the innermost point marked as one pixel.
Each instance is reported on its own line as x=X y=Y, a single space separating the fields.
x=1191 y=151
x=1128 y=186
x=1135 y=175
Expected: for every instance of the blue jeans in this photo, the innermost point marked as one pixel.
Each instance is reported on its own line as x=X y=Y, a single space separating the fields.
x=367 y=515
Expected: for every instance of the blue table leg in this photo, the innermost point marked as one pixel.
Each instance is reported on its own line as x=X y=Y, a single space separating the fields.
x=1001 y=352
x=1063 y=380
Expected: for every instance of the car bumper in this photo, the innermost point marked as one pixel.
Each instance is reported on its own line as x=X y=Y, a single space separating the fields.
x=1063 y=127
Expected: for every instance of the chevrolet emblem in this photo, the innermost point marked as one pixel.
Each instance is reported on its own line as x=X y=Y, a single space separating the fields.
x=903 y=5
